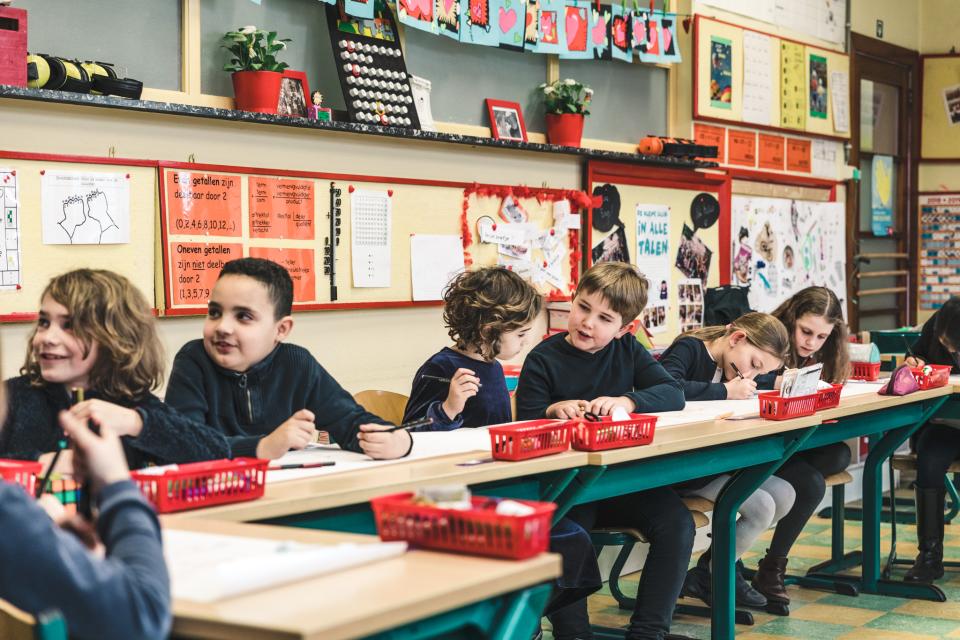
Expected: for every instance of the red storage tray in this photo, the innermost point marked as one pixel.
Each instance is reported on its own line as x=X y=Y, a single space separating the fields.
x=939 y=377
x=607 y=434
x=869 y=371
x=204 y=484
x=829 y=398
x=21 y=472
x=478 y=531
x=774 y=407
x=529 y=439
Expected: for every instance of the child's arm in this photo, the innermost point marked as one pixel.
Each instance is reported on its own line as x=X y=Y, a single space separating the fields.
x=443 y=402
x=768 y=381
x=533 y=389
x=679 y=361
x=653 y=388
x=924 y=346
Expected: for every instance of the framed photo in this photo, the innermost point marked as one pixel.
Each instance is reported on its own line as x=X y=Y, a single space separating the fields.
x=294 y=90
x=506 y=120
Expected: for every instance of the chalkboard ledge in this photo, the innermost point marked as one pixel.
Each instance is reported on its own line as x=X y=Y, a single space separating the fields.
x=64 y=97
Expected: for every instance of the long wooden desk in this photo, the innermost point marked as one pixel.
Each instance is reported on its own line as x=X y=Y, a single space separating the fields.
x=418 y=595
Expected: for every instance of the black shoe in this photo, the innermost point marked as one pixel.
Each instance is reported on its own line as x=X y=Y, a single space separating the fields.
x=746 y=595
x=697 y=585
x=929 y=563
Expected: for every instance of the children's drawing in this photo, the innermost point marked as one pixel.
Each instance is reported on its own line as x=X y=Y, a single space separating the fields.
x=85 y=208
x=448 y=18
x=508 y=21
x=418 y=14
x=620 y=45
x=10 y=240
x=577 y=30
x=600 y=32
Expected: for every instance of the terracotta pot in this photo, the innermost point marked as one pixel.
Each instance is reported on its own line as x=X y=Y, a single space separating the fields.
x=257 y=91
x=565 y=128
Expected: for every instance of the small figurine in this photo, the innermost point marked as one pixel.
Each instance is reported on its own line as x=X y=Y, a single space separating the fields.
x=318 y=112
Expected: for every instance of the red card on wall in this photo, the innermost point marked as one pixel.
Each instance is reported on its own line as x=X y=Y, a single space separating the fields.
x=743 y=148
x=771 y=152
x=798 y=155
x=712 y=136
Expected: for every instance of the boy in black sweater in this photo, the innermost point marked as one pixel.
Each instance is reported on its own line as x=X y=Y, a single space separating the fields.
x=242 y=379
x=598 y=366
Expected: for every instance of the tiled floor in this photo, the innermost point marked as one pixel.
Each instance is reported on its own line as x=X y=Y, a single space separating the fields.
x=822 y=615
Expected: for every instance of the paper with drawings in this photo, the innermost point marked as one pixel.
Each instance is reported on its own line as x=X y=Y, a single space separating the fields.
x=503 y=232
x=85 y=208
x=10 y=276
x=207 y=567
x=759 y=79
x=840 y=100
x=434 y=261
x=370 y=238
x=563 y=219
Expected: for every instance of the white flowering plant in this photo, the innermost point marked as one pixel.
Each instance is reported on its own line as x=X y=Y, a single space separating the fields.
x=566 y=96
x=254 y=49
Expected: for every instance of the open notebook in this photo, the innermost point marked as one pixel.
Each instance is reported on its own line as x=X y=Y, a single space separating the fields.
x=207 y=567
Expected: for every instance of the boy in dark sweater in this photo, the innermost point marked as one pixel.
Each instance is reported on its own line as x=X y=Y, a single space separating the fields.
x=598 y=366
x=241 y=378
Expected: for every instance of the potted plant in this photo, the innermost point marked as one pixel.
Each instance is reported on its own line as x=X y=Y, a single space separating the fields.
x=566 y=103
x=256 y=72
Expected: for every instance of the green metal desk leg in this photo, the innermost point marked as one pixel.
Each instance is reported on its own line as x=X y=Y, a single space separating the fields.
x=872 y=492
x=744 y=483
x=568 y=497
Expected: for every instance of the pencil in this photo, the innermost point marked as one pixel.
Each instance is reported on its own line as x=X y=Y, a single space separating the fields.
x=441 y=379
x=413 y=424
x=906 y=345
x=61 y=445
x=736 y=370
x=304 y=465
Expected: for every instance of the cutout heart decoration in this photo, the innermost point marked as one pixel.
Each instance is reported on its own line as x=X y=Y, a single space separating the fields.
x=620 y=32
x=447 y=6
x=530 y=30
x=599 y=32
x=479 y=15
x=548 y=27
x=653 y=42
x=419 y=9
x=576 y=25
x=507 y=20
x=666 y=40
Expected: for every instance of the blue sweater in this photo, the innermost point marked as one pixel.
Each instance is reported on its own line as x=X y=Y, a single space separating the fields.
x=491 y=405
x=43 y=568
x=556 y=370
x=247 y=406
x=690 y=363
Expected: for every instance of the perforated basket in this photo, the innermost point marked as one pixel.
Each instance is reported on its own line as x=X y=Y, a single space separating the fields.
x=529 y=439
x=938 y=375
x=21 y=472
x=610 y=434
x=775 y=407
x=869 y=371
x=478 y=531
x=203 y=484
x=829 y=398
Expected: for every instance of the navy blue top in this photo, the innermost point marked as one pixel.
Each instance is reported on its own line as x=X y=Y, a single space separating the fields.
x=556 y=370
x=688 y=360
x=491 y=405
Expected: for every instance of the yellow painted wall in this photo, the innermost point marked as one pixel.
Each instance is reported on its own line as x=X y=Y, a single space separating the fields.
x=901 y=20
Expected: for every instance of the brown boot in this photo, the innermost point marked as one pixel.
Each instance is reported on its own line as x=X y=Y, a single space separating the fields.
x=768 y=579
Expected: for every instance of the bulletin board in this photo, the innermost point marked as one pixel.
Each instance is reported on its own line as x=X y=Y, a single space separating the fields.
x=939 y=276
x=646 y=197
x=296 y=232
x=715 y=101
x=28 y=263
x=940 y=124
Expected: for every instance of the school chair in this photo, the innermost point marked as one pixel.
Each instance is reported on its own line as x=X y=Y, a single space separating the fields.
x=627 y=539
x=17 y=625
x=386 y=404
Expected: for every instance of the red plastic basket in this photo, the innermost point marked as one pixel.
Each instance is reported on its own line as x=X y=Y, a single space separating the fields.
x=529 y=439
x=938 y=377
x=869 y=371
x=829 y=398
x=21 y=472
x=204 y=484
x=775 y=407
x=607 y=434
x=479 y=531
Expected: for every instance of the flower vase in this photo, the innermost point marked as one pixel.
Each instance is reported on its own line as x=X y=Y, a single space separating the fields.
x=257 y=91
x=565 y=128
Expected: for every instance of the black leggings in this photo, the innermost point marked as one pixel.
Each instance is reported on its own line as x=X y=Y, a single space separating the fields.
x=806 y=472
x=937 y=447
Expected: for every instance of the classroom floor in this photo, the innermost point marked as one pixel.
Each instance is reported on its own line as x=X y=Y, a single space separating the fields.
x=821 y=615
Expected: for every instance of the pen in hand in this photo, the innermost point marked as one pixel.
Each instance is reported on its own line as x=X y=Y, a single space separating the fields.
x=441 y=379
x=413 y=424
x=736 y=370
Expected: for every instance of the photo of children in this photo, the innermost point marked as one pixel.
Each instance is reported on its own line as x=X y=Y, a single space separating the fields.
x=507 y=123
x=693 y=256
x=951 y=101
x=613 y=248
x=818 y=86
x=690 y=294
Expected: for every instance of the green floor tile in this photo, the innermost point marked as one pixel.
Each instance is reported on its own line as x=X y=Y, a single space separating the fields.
x=802 y=629
x=913 y=624
x=863 y=601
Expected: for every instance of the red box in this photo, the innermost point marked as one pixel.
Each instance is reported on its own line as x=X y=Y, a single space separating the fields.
x=529 y=439
x=480 y=530
x=21 y=472
x=829 y=398
x=13 y=46
x=869 y=371
x=203 y=484
x=775 y=407
x=938 y=377
x=607 y=434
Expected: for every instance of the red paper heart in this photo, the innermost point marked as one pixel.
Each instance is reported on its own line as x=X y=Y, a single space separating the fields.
x=507 y=20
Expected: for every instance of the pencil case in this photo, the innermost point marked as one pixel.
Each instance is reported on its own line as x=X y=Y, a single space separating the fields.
x=202 y=484
x=21 y=472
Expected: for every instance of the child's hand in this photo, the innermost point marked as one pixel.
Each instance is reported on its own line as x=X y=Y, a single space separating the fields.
x=604 y=405
x=566 y=409
x=381 y=445
x=914 y=361
x=296 y=433
x=97 y=458
x=120 y=420
x=53 y=508
x=79 y=526
x=464 y=384
x=64 y=462
x=740 y=388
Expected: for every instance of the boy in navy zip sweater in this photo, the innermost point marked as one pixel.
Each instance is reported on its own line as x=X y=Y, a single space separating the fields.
x=241 y=378
x=598 y=366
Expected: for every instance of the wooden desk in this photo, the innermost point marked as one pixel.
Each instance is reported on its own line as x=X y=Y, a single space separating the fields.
x=419 y=595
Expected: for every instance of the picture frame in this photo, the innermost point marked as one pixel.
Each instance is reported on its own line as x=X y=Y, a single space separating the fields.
x=294 y=98
x=506 y=120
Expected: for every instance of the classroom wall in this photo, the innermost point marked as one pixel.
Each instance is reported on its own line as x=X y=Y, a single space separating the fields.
x=901 y=20
x=939 y=26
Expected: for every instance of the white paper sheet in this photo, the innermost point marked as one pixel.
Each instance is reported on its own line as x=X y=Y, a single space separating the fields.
x=420 y=88
x=434 y=261
x=504 y=232
x=207 y=567
x=760 y=78
x=371 y=236
x=840 y=100
x=85 y=208
x=653 y=260
x=826 y=158
x=10 y=258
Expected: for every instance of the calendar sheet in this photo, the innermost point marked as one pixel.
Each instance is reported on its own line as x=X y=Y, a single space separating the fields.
x=370 y=230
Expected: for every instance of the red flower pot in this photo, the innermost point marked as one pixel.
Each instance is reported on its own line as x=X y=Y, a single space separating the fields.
x=257 y=91
x=565 y=128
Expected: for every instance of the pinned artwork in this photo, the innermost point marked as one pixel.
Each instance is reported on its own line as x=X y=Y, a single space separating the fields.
x=638 y=31
x=85 y=208
x=448 y=18
x=551 y=20
x=10 y=274
x=653 y=260
x=418 y=14
x=743 y=260
x=577 y=30
x=690 y=297
x=693 y=256
x=721 y=73
x=613 y=248
x=620 y=30
x=475 y=25
x=509 y=23
x=531 y=28
x=650 y=50
x=669 y=48
x=600 y=32
x=818 y=86
x=359 y=8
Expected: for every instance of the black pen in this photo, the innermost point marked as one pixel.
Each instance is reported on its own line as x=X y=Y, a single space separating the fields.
x=441 y=379
x=413 y=424
x=737 y=371
x=304 y=465
x=61 y=445
x=906 y=344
